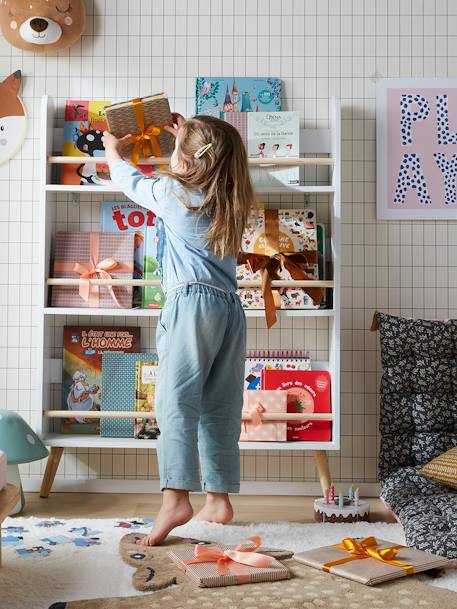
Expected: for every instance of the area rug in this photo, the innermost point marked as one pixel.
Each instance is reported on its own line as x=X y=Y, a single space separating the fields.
x=80 y=559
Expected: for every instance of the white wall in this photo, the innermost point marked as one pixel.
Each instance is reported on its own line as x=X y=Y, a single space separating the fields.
x=319 y=48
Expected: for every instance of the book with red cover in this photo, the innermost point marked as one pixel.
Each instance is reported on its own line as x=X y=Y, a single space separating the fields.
x=307 y=391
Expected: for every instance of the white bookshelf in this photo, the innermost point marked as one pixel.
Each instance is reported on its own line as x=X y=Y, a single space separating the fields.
x=324 y=142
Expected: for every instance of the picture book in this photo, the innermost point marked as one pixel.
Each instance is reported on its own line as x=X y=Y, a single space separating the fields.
x=308 y=391
x=119 y=385
x=145 y=395
x=153 y=296
x=273 y=135
x=82 y=137
x=124 y=217
x=256 y=361
x=83 y=348
x=216 y=95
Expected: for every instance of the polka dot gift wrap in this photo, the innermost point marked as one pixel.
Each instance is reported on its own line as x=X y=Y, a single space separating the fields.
x=257 y=402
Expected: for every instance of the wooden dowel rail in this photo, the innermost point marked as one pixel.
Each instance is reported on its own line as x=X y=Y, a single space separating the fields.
x=76 y=160
x=120 y=414
x=280 y=283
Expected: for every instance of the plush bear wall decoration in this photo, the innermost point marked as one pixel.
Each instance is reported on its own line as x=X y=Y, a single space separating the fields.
x=42 y=26
x=12 y=117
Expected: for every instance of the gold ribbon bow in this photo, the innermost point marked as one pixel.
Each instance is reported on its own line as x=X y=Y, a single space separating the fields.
x=273 y=261
x=367 y=548
x=144 y=143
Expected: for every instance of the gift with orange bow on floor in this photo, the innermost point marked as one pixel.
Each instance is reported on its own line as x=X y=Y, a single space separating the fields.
x=370 y=561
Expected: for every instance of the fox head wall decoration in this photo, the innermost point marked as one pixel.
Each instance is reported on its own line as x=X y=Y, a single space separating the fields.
x=12 y=117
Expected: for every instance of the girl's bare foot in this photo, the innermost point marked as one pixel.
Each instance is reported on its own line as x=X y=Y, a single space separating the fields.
x=176 y=510
x=216 y=509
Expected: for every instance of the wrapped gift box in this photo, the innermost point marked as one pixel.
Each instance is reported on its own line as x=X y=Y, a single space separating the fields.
x=256 y=430
x=140 y=117
x=93 y=256
x=210 y=574
x=283 y=243
x=290 y=298
x=355 y=560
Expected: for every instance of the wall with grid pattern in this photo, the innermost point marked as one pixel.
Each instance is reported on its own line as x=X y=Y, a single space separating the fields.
x=319 y=48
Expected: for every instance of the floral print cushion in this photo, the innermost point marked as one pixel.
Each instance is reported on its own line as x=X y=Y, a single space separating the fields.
x=418 y=422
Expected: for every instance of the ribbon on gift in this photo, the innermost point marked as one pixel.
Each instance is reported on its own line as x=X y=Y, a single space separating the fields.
x=93 y=269
x=367 y=548
x=255 y=412
x=144 y=143
x=234 y=561
x=270 y=263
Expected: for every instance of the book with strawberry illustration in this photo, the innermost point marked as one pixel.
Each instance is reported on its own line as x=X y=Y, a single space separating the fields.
x=308 y=391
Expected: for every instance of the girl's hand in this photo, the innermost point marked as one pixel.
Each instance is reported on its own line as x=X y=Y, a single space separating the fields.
x=113 y=146
x=178 y=121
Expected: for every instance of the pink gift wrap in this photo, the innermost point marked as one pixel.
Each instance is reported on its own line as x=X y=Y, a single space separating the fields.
x=210 y=574
x=93 y=256
x=255 y=402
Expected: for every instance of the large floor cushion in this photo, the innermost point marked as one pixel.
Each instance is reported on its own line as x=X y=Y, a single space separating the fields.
x=418 y=421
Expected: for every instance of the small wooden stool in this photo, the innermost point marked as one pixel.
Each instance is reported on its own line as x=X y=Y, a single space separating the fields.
x=9 y=496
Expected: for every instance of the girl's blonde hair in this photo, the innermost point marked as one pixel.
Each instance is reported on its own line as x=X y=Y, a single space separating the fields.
x=222 y=173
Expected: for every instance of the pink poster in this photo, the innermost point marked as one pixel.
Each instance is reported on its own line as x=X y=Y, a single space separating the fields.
x=417 y=149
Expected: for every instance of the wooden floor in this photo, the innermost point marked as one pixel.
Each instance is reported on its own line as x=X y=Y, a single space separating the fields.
x=247 y=508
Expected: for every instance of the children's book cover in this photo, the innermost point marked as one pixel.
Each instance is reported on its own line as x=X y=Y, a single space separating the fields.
x=308 y=391
x=145 y=397
x=217 y=95
x=82 y=137
x=273 y=135
x=257 y=361
x=83 y=348
x=119 y=391
x=152 y=295
x=125 y=217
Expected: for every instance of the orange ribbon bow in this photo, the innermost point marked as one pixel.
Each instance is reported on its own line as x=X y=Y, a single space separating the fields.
x=366 y=548
x=232 y=561
x=273 y=261
x=144 y=143
x=255 y=413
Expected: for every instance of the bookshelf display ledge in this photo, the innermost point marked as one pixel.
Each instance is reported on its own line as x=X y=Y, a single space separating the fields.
x=324 y=146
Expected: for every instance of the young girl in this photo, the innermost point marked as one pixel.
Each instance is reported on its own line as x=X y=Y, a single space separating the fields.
x=204 y=201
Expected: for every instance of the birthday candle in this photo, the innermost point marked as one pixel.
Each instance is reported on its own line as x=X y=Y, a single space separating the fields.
x=351 y=493
x=341 y=501
x=356 y=497
x=326 y=495
x=332 y=492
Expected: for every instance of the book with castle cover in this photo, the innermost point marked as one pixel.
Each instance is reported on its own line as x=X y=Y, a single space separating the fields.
x=83 y=348
x=215 y=95
x=82 y=137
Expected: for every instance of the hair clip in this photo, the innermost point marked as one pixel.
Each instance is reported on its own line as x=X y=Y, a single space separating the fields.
x=201 y=151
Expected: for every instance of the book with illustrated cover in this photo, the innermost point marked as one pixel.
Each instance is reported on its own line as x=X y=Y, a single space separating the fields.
x=145 y=399
x=125 y=217
x=82 y=137
x=83 y=349
x=273 y=359
x=215 y=95
x=119 y=391
x=308 y=391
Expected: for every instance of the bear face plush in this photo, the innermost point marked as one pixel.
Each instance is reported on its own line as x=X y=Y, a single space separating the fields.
x=13 y=120
x=42 y=26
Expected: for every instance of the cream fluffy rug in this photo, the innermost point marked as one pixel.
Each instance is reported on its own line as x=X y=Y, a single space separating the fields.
x=82 y=557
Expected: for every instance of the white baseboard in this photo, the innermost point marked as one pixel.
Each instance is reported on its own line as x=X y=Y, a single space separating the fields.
x=256 y=487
